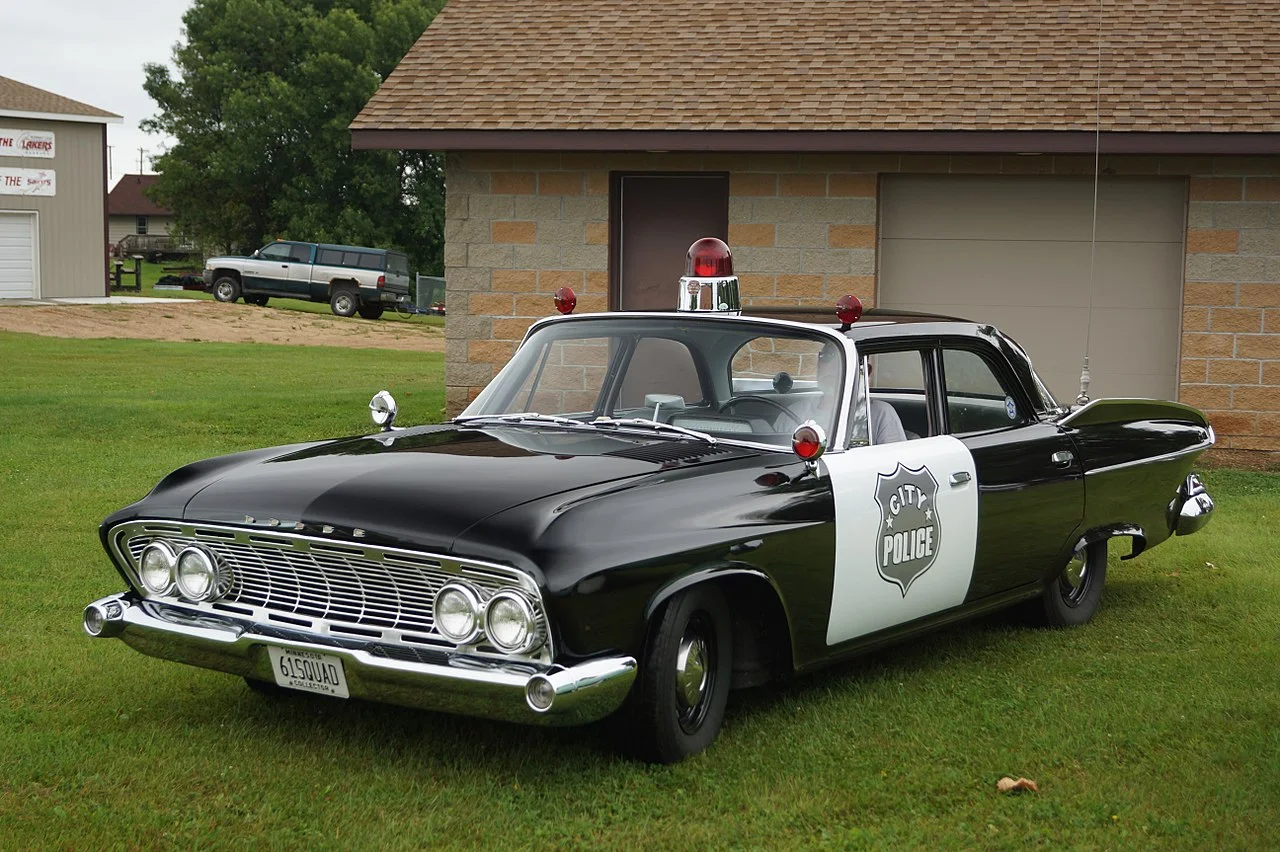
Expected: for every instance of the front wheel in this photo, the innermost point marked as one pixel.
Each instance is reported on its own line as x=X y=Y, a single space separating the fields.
x=680 y=695
x=1073 y=598
x=226 y=289
x=344 y=303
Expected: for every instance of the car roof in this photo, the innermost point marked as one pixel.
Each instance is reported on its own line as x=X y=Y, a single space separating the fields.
x=874 y=322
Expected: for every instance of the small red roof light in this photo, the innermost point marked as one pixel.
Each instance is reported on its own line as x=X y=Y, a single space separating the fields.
x=566 y=300
x=708 y=258
x=808 y=441
x=848 y=310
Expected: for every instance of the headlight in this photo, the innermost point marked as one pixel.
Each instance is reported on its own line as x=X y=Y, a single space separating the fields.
x=198 y=576
x=457 y=613
x=510 y=623
x=155 y=568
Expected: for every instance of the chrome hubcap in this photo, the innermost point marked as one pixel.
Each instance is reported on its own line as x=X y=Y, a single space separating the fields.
x=1075 y=580
x=691 y=670
x=344 y=303
x=224 y=291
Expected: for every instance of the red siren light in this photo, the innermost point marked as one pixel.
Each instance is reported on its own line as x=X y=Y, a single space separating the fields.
x=848 y=310
x=808 y=442
x=566 y=300
x=709 y=258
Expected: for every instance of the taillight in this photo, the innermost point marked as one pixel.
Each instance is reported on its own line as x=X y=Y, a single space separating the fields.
x=382 y=280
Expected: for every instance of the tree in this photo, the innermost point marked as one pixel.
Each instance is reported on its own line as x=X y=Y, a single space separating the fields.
x=260 y=106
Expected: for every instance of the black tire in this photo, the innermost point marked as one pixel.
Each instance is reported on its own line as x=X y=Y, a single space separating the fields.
x=344 y=302
x=226 y=289
x=1073 y=596
x=678 y=701
x=260 y=301
x=371 y=310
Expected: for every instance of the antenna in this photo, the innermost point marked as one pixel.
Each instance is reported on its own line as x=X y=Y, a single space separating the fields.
x=1083 y=398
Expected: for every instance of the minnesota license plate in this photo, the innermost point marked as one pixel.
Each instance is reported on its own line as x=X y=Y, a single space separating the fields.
x=309 y=671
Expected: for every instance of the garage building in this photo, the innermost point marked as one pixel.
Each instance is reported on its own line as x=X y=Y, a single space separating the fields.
x=919 y=153
x=53 y=218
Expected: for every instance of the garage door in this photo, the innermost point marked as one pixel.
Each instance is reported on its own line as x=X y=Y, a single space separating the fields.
x=17 y=255
x=1014 y=251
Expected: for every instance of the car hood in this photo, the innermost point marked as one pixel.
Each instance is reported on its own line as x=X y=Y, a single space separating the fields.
x=425 y=487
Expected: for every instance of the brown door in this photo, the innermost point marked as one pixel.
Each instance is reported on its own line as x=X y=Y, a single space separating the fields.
x=658 y=217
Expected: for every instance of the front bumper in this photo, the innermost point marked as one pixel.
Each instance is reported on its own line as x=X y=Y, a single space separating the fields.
x=449 y=683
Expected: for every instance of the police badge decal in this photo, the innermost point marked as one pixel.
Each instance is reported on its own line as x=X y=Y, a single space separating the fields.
x=910 y=529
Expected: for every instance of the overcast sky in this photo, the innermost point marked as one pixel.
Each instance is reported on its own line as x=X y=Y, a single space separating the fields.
x=93 y=51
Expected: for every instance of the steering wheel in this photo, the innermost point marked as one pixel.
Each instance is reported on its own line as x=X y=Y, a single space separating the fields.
x=770 y=403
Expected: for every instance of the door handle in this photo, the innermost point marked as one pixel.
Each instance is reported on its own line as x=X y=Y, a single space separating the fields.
x=960 y=477
x=1062 y=458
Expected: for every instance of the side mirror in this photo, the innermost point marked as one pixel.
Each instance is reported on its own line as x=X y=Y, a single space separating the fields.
x=809 y=442
x=383 y=409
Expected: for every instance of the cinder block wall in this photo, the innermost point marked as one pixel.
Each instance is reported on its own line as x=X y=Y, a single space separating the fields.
x=803 y=231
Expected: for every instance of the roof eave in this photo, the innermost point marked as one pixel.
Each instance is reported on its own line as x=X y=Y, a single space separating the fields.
x=60 y=116
x=822 y=141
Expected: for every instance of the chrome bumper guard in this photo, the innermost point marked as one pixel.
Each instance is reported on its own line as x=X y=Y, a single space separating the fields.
x=1195 y=506
x=469 y=686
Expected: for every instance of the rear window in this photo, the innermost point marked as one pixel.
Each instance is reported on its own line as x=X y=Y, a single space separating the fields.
x=369 y=261
x=398 y=264
x=350 y=259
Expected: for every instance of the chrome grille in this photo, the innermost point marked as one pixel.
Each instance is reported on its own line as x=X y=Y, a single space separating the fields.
x=302 y=577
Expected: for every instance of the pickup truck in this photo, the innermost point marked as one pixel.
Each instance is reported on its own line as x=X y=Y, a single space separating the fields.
x=352 y=279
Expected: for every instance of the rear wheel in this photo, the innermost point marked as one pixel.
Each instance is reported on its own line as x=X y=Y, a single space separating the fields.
x=226 y=289
x=1074 y=596
x=679 y=698
x=344 y=303
x=371 y=310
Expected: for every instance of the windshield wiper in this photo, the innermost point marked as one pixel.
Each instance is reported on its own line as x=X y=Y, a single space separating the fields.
x=656 y=425
x=531 y=417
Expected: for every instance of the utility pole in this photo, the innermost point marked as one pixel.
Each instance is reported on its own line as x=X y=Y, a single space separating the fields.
x=111 y=172
x=140 y=153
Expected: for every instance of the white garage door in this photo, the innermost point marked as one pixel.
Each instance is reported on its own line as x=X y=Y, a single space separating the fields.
x=17 y=255
x=1014 y=251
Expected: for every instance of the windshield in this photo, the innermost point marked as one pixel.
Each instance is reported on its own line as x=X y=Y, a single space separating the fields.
x=749 y=381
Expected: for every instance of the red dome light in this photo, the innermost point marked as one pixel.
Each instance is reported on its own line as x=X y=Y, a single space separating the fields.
x=808 y=442
x=848 y=310
x=708 y=258
x=566 y=300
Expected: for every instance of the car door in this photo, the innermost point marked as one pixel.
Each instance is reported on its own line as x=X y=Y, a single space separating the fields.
x=269 y=271
x=1030 y=482
x=299 y=272
x=906 y=515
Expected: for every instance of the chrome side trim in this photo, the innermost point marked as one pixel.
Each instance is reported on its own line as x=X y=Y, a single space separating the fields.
x=451 y=683
x=1198 y=448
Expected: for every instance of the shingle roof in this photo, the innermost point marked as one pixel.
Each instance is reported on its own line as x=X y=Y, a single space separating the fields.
x=839 y=65
x=19 y=97
x=128 y=197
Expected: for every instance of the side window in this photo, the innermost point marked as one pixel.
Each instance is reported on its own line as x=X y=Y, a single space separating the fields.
x=899 y=403
x=977 y=400
x=329 y=257
x=300 y=253
x=660 y=366
x=276 y=251
x=371 y=261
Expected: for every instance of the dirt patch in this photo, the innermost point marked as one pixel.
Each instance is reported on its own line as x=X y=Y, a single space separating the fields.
x=216 y=322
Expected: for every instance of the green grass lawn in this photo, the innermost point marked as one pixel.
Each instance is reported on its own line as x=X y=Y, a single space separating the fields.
x=1157 y=725
x=153 y=272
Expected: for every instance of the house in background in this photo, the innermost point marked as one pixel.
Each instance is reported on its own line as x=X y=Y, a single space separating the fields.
x=922 y=154
x=131 y=213
x=53 y=197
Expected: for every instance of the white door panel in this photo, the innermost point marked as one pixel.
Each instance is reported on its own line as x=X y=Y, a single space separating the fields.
x=906 y=532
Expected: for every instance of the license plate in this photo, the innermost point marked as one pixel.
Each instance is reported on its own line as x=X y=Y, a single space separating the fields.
x=309 y=671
